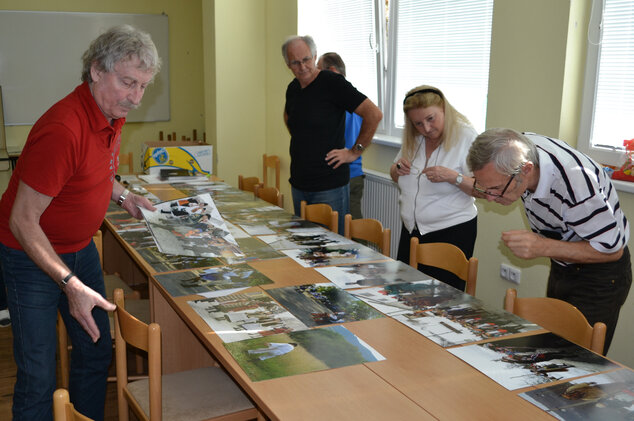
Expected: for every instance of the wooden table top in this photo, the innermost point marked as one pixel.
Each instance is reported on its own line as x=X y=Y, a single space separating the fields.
x=417 y=380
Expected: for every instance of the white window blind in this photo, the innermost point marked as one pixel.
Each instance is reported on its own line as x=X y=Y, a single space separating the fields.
x=444 y=43
x=346 y=27
x=614 y=105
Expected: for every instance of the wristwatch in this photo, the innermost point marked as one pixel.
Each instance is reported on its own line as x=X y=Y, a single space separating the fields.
x=358 y=148
x=122 y=197
x=458 y=180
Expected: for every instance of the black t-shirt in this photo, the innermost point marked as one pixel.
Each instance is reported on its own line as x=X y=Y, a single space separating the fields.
x=317 y=121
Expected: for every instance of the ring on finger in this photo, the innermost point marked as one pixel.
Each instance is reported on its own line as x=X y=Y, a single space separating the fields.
x=398 y=165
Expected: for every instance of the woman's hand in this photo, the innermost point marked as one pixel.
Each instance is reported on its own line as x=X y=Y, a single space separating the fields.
x=440 y=174
x=401 y=167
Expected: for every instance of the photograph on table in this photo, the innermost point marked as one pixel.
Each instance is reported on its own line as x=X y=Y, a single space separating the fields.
x=162 y=262
x=253 y=249
x=216 y=278
x=123 y=221
x=532 y=360
x=333 y=255
x=191 y=226
x=301 y=352
x=247 y=315
x=297 y=238
x=371 y=274
x=138 y=239
x=608 y=396
x=323 y=304
x=442 y=313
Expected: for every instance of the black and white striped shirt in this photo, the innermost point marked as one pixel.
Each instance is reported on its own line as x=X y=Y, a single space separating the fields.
x=574 y=199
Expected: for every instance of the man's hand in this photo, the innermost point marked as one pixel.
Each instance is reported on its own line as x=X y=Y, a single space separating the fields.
x=524 y=244
x=132 y=203
x=81 y=301
x=336 y=157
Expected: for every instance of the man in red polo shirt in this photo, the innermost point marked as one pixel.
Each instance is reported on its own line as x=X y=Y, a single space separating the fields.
x=56 y=200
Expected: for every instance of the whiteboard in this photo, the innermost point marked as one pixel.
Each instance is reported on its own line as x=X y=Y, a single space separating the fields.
x=40 y=60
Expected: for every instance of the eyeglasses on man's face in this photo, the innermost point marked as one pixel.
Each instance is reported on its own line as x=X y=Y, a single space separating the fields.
x=305 y=61
x=487 y=192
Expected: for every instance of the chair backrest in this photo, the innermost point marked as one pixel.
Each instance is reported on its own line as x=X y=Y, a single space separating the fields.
x=63 y=410
x=320 y=213
x=559 y=317
x=248 y=183
x=126 y=159
x=271 y=161
x=368 y=229
x=448 y=257
x=128 y=330
x=270 y=194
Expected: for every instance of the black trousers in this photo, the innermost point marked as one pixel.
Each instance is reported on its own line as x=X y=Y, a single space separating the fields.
x=598 y=290
x=462 y=236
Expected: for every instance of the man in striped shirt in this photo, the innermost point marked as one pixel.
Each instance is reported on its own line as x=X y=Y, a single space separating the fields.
x=574 y=215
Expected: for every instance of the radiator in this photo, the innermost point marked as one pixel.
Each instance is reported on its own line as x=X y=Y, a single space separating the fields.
x=380 y=201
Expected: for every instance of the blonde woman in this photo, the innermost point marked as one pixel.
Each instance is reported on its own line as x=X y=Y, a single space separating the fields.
x=432 y=174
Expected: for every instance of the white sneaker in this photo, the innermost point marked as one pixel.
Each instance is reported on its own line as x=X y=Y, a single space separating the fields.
x=5 y=318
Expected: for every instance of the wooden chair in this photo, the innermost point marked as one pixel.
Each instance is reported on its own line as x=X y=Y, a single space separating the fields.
x=320 y=213
x=271 y=161
x=248 y=183
x=559 y=317
x=448 y=257
x=63 y=410
x=270 y=194
x=205 y=393
x=141 y=308
x=126 y=159
x=369 y=230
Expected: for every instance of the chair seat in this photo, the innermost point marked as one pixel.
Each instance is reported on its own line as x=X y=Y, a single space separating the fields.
x=194 y=395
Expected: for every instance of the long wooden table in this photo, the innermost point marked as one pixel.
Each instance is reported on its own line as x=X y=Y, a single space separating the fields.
x=417 y=380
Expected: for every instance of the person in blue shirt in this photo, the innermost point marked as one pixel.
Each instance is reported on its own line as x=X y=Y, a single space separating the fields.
x=334 y=63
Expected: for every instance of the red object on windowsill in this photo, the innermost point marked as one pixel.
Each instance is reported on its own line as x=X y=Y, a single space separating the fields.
x=620 y=175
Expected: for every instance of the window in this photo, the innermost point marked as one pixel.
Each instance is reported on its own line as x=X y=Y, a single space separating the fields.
x=391 y=46
x=608 y=104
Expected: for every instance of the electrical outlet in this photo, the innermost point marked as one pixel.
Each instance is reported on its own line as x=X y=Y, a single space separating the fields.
x=504 y=271
x=514 y=275
x=510 y=273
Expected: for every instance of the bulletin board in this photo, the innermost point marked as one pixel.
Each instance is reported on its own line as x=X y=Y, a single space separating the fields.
x=40 y=60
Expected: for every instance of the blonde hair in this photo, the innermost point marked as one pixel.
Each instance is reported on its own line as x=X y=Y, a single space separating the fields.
x=426 y=96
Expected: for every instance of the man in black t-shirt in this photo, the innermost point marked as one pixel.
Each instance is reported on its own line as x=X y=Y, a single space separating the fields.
x=316 y=102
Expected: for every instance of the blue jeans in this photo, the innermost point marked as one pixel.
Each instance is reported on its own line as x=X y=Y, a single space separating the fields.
x=338 y=199
x=34 y=299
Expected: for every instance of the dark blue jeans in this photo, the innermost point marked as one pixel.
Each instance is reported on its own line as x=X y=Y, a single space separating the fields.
x=338 y=199
x=34 y=299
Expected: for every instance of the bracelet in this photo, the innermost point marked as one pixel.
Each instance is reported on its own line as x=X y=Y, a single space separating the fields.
x=66 y=279
x=122 y=197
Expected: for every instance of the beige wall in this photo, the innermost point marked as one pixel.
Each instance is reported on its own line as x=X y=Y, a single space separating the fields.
x=185 y=66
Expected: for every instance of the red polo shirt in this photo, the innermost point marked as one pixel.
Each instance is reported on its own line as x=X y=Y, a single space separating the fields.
x=70 y=155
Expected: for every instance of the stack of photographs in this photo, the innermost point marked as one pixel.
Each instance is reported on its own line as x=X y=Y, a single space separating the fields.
x=442 y=313
x=371 y=274
x=333 y=255
x=608 y=396
x=301 y=352
x=202 y=281
x=528 y=361
x=191 y=226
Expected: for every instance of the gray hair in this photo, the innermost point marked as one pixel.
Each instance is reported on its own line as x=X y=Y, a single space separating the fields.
x=507 y=149
x=308 y=40
x=120 y=43
x=329 y=60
